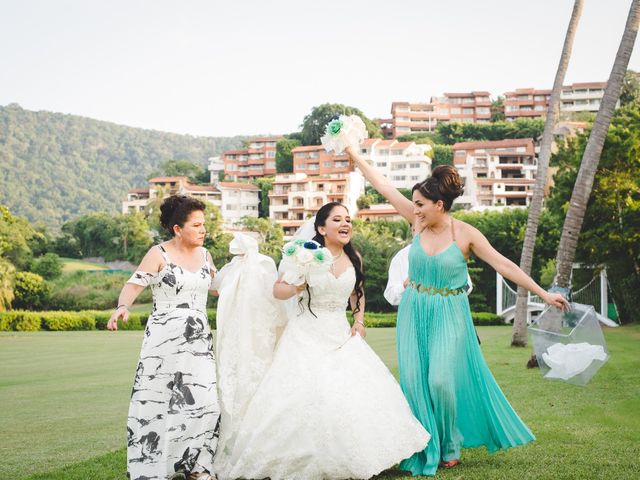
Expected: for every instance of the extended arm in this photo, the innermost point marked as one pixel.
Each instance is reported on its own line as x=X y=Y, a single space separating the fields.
x=505 y=267
x=148 y=268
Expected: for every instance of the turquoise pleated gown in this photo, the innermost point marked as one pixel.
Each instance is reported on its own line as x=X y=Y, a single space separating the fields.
x=442 y=371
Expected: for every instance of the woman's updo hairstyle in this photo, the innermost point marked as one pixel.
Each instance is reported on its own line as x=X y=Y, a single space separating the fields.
x=444 y=184
x=176 y=209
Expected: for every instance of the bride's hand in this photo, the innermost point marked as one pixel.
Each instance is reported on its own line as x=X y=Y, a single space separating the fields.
x=359 y=329
x=301 y=287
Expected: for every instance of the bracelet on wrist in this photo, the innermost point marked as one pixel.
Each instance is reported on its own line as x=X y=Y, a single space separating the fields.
x=360 y=322
x=123 y=305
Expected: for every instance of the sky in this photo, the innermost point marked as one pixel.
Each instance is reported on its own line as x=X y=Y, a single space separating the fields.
x=248 y=67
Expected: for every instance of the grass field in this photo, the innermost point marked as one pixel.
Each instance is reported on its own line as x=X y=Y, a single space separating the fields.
x=74 y=264
x=64 y=398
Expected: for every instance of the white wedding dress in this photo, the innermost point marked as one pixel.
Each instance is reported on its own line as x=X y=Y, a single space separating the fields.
x=327 y=407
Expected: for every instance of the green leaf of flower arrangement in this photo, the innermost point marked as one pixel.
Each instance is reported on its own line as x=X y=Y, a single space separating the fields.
x=334 y=127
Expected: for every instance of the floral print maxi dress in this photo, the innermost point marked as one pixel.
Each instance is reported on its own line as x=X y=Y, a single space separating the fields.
x=174 y=412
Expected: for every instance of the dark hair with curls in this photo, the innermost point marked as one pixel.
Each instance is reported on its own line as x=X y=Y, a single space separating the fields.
x=321 y=221
x=176 y=209
x=444 y=184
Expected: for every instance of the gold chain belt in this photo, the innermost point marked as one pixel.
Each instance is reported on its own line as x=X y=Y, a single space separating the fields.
x=430 y=290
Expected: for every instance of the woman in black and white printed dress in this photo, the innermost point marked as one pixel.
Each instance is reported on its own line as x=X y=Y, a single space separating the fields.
x=174 y=412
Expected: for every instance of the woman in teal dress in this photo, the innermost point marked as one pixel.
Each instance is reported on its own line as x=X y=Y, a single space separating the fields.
x=442 y=371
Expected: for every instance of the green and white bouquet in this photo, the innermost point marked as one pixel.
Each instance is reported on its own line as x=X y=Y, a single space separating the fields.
x=344 y=131
x=305 y=261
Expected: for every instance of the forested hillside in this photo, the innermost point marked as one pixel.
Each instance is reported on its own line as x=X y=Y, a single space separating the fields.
x=54 y=167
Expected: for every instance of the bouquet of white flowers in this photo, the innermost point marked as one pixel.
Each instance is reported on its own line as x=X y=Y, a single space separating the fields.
x=347 y=130
x=305 y=260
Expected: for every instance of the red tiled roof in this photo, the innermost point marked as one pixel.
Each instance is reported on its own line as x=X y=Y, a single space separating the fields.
x=532 y=91
x=200 y=188
x=290 y=223
x=240 y=186
x=168 y=179
x=573 y=86
x=517 y=181
x=139 y=190
x=308 y=148
x=309 y=179
x=512 y=142
x=377 y=211
x=234 y=152
x=468 y=94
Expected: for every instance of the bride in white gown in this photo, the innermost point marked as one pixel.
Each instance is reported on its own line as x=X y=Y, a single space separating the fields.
x=327 y=407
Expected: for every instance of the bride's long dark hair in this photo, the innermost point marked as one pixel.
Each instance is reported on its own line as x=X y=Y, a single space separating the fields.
x=321 y=220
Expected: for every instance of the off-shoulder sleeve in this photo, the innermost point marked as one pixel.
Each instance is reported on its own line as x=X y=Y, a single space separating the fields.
x=144 y=279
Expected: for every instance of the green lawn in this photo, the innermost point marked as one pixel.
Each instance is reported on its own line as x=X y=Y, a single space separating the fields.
x=64 y=398
x=73 y=264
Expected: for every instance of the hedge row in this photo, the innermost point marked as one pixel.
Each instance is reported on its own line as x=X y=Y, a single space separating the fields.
x=376 y=320
x=25 y=321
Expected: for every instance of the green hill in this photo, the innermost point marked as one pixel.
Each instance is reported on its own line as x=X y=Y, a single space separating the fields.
x=54 y=167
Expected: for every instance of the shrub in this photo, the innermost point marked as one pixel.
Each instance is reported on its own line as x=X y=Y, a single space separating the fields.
x=64 y=321
x=49 y=266
x=379 y=320
x=212 y=317
x=486 y=318
x=136 y=321
x=30 y=291
x=20 y=321
x=90 y=290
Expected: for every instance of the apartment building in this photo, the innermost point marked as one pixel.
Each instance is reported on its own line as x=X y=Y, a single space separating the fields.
x=379 y=212
x=235 y=200
x=386 y=127
x=403 y=163
x=258 y=160
x=497 y=173
x=470 y=107
x=314 y=160
x=298 y=196
x=216 y=169
x=582 y=97
x=526 y=103
x=407 y=118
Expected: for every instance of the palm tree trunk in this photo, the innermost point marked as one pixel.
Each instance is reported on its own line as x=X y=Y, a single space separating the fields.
x=519 y=335
x=591 y=156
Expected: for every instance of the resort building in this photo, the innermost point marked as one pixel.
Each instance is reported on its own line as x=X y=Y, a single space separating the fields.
x=377 y=212
x=582 y=97
x=298 y=196
x=235 y=200
x=258 y=160
x=471 y=107
x=314 y=160
x=403 y=163
x=216 y=169
x=497 y=173
x=526 y=103
x=407 y=118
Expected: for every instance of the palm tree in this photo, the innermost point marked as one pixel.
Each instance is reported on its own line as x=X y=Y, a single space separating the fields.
x=519 y=337
x=591 y=157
